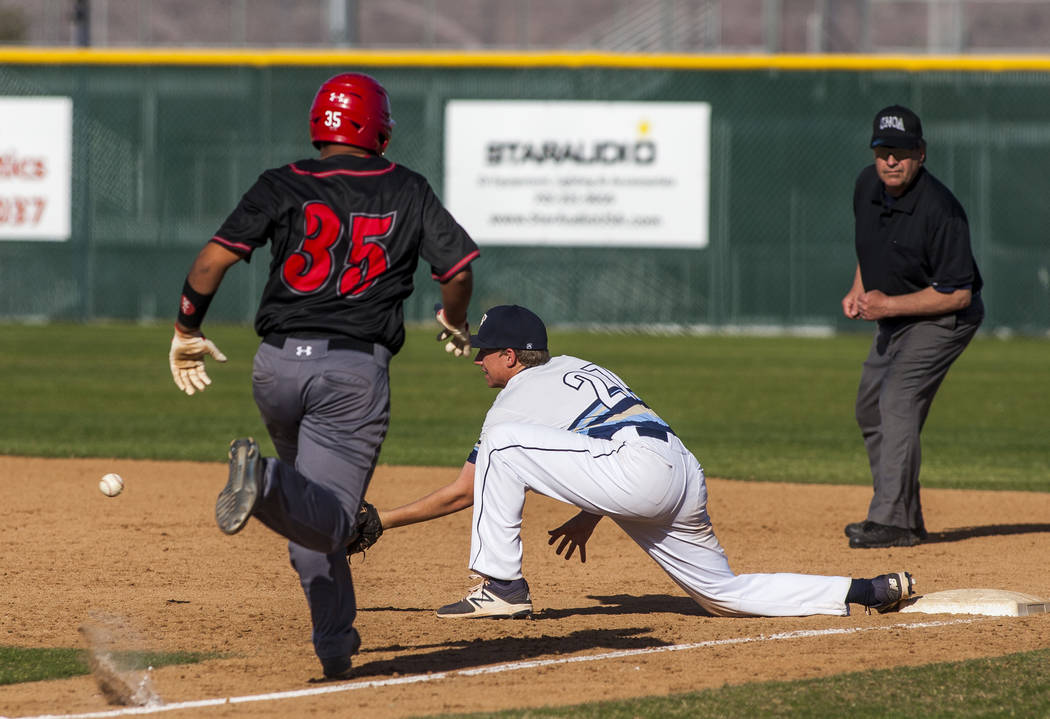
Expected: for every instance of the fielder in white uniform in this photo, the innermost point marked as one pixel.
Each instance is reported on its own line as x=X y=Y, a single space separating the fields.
x=574 y=431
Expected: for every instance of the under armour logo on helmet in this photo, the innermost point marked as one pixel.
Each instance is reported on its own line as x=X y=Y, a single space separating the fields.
x=303 y=350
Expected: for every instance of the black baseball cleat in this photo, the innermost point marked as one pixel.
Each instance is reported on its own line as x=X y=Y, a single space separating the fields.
x=341 y=667
x=337 y=668
x=891 y=590
x=488 y=600
x=872 y=535
x=238 y=498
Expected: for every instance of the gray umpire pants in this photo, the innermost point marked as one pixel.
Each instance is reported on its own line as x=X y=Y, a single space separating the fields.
x=901 y=375
x=327 y=412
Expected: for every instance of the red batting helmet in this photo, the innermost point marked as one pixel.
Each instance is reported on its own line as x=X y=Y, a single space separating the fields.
x=351 y=109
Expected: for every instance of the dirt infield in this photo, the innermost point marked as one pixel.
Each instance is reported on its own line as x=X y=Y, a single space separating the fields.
x=153 y=558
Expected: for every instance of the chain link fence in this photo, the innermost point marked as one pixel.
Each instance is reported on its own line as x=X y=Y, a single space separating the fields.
x=162 y=153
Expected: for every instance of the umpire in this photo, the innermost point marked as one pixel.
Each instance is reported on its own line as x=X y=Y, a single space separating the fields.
x=916 y=277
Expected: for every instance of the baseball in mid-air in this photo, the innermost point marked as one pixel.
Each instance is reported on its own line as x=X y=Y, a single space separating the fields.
x=111 y=485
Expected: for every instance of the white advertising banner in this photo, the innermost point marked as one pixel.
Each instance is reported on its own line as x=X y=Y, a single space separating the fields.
x=579 y=173
x=36 y=144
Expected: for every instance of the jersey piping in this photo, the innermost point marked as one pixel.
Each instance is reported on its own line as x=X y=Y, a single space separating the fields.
x=334 y=173
x=236 y=247
x=457 y=267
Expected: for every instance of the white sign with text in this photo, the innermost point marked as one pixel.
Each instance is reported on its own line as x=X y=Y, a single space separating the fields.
x=579 y=173
x=36 y=143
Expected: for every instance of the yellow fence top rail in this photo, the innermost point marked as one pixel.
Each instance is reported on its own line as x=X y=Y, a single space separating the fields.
x=525 y=59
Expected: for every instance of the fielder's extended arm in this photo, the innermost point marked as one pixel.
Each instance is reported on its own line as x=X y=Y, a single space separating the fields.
x=450 y=498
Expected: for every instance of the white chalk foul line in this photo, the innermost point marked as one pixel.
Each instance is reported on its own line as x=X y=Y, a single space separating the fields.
x=494 y=669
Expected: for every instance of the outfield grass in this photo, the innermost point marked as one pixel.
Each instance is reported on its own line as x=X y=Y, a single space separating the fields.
x=749 y=407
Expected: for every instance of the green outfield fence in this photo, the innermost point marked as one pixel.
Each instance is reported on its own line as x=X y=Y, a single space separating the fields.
x=165 y=142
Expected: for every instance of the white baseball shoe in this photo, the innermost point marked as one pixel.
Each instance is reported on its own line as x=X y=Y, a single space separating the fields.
x=488 y=600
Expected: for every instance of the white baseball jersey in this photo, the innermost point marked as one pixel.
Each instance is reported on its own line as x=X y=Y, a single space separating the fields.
x=573 y=394
x=574 y=431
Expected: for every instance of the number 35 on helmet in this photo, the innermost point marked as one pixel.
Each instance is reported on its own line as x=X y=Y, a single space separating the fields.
x=352 y=109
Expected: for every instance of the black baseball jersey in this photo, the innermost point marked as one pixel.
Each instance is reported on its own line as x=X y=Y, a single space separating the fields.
x=346 y=236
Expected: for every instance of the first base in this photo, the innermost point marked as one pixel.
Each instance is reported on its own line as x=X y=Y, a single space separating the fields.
x=991 y=602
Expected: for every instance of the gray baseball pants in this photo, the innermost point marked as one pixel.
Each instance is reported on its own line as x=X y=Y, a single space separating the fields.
x=327 y=412
x=903 y=371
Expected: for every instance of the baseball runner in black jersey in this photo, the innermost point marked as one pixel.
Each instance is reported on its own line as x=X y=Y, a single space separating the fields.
x=346 y=231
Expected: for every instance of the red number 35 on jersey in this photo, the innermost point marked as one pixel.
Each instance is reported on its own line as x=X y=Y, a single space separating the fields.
x=311 y=267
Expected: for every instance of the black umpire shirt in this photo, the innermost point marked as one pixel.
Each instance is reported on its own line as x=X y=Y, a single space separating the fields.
x=918 y=240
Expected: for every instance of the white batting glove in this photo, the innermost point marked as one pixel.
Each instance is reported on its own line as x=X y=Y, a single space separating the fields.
x=457 y=339
x=187 y=361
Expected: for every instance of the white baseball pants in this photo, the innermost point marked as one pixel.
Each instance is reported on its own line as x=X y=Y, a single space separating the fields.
x=654 y=489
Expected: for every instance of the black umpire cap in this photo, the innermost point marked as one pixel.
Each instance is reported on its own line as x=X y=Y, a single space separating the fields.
x=896 y=126
x=510 y=327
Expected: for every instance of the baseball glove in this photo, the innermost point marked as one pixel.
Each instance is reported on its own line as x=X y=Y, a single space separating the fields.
x=369 y=529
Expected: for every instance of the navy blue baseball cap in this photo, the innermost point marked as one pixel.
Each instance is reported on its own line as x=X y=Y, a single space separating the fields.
x=510 y=327
x=896 y=126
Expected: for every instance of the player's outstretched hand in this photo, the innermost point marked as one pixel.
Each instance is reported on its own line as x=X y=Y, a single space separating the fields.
x=574 y=534
x=187 y=361
x=456 y=339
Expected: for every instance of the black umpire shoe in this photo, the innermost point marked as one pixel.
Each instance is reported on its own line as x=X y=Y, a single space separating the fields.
x=872 y=535
x=238 y=498
x=855 y=529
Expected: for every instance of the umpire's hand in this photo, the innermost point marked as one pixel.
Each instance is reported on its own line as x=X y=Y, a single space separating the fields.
x=187 y=360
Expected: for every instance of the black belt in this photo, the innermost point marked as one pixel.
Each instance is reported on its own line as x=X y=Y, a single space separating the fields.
x=334 y=343
x=652 y=432
x=642 y=431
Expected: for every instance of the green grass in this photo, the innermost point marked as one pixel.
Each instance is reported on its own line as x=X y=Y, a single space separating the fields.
x=1016 y=685
x=31 y=665
x=760 y=408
